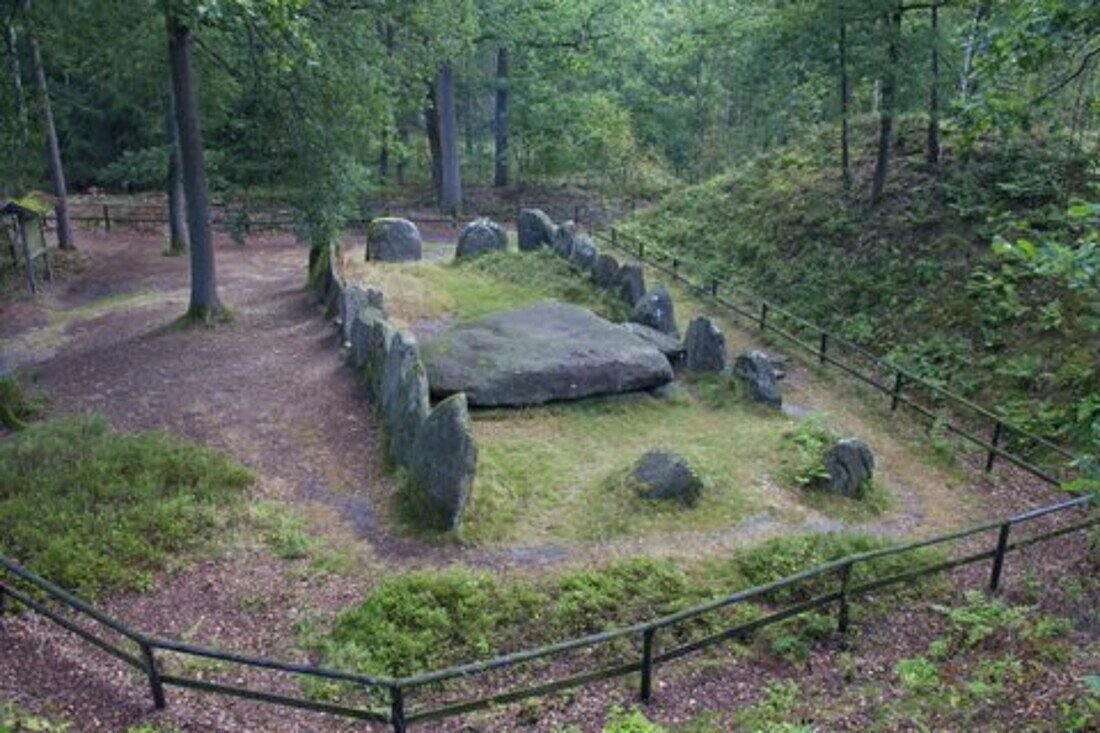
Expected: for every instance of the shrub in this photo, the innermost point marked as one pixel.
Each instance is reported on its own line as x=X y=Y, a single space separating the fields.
x=98 y=511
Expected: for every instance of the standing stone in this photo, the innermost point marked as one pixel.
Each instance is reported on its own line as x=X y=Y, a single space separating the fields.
x=662 y=474
x=584 y=253
x=851 y=465
x=481 y=236
x=404 y=396
x=756 y=372
x=669 y=345
x=655 y=310
x=534 y=229
x=606 y=271
x=390 y=239
x=562 y=241
x=380 y=337
x=444 y=463
x=354 y=300
x=360 y=335
x=631 y=285
x=706 y=346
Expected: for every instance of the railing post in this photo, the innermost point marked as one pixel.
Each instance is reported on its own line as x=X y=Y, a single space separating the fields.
x=3 y=603
x=763 y=316
x=577 y=213
x=895 y=393
x=675 y=265
x=614 y=237
x=155 y=684
x=397 y=709
x=844 y=614
x=106 y=218
x=714 y=288
x=647 y=665
x=999 y=558
x=641 y=250
x=993 y=441
x=824 y=346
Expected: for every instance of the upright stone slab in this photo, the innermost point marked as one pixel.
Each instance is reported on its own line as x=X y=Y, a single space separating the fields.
x=480 y=237
x=851 y=465
x=655 y=310
x=390 y=239
x=356 y=298
x=562 y=240
x=360 y=335
x=756 y=372
x=606 y=271
x=380 y=336
x=444 y=463
x=706 y=346
x=584 y=253
x=534 y=229
x=404 y=396
x=631 y=284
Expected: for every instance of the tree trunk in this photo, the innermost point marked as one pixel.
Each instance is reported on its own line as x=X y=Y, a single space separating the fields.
x=178 y=238
x=980 y=15
x=845 y=152
x=934 y=93
x=886 y=112
x=204 y=293
x=450 y=174
x=384 y=157
x=402 y=160
x=431 y=128
x=12 y=44
x=500 y=121
x=53 y=147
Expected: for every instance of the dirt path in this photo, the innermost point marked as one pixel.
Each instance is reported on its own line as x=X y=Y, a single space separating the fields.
x=271 y=389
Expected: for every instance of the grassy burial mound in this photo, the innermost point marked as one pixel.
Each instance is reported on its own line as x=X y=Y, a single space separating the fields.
x=562 y=471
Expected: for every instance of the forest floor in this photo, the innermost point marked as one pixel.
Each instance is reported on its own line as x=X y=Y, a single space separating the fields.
x=270 y=388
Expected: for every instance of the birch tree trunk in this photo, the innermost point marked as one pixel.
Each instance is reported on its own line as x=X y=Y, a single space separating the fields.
x=450 y=178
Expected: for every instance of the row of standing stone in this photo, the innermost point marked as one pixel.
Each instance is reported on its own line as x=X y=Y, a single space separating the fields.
x=434 y=446
x=653 y=317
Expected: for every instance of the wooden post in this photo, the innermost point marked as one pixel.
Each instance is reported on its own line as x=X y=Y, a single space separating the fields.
x=647 y=665
x=895 y=393
x=763 y=316
x=614 y=237
x=824 y=346
x=999 y=558
x=155 y=684
x=714 y=288
x=106 y=218
x=397 y=709
x=25 y=245
x=993 y=442
x=844 y=615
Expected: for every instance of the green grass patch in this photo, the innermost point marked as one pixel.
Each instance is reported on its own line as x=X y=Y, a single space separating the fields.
x=97 y=511
x=16 y=406
x=428 y=619
x=550 y=470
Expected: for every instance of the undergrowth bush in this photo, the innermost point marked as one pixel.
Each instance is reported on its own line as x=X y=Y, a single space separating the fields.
x=97 y=511
x=16 y=406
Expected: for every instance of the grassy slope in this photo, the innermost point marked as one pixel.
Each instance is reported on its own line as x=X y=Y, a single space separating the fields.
x=916 y=276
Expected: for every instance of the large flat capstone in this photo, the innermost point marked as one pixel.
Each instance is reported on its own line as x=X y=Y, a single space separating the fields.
x=550 y=351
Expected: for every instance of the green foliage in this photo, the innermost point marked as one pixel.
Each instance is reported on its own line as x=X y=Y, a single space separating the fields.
x=918 y=675
x=773 y=713
x=14 y=719
x=16 y=407
x=97 y=511
x=632 y=721
x=804 y=464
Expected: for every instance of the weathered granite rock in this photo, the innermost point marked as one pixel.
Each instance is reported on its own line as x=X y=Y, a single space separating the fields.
x=404 y=396
x=631 y=284
x=360 y=335
x=534 y=229
x=756 y=372
x=444 y=463
x=480 y=237
x=851 y=465
x=655 y=310
x=380 y=337
x=606 y=271
x=562 y=240
x=356 y=298
x=668 y=345
x=550 y=351
x=584 y=253
x=390 y=239
x=662 y=474
x=706 y=346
